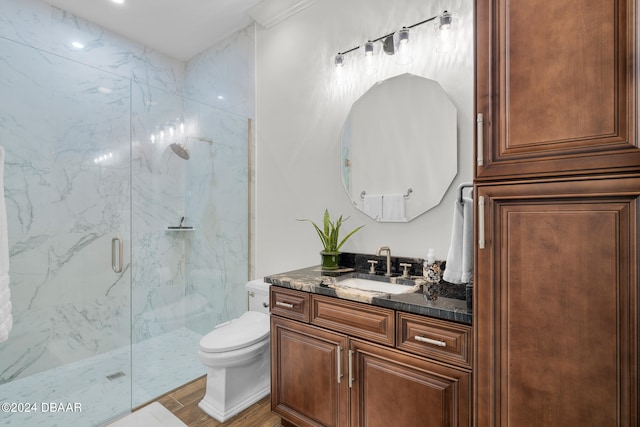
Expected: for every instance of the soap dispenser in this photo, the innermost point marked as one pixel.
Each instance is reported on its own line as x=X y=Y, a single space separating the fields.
x=430 y=269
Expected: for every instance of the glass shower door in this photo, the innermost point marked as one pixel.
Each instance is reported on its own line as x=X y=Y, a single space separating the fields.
x=65 y=128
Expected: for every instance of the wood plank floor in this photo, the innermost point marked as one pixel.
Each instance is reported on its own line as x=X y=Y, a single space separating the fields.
x=183 y=402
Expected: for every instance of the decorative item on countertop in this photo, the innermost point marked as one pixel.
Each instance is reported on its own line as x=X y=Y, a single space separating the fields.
x=329 y=236
x=432 y=273
x=431 y=269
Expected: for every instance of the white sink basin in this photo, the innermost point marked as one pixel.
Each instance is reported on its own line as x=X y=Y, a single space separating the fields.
x=374 y=285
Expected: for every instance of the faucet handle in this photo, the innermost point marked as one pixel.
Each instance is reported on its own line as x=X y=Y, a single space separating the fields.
x=405 y=269
x=372 y=268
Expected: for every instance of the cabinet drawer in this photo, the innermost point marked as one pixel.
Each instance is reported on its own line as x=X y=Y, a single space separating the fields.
x=355 y=319
x=289 y=303
x=437 y=339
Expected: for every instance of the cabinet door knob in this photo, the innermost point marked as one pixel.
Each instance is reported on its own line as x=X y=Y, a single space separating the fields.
x=284 y=304
x=430 y=341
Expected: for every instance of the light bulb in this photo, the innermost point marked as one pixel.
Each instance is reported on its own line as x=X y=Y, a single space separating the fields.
x=368 y=57
x=445 y=20
x=403 y=51
x=445 y=37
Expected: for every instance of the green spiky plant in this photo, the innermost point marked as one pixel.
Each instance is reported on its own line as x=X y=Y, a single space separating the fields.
x=330 y=232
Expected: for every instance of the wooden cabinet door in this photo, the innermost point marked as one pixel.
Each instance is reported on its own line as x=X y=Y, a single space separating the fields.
x=556 y=304
x=306 y=363
x=556 y=85
x=393 y=388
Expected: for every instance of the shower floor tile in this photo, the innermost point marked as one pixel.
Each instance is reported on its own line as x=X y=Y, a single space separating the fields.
x=79 y=394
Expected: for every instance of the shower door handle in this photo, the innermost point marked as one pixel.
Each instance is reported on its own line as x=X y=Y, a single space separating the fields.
x=117 y=246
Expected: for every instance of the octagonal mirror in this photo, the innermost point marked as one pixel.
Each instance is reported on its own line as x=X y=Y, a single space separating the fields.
x=399 y=148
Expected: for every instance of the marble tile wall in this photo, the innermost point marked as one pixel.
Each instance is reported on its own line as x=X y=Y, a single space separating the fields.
x=81 y=168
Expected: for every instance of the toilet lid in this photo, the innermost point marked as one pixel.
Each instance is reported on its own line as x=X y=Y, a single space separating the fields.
x=247 y=329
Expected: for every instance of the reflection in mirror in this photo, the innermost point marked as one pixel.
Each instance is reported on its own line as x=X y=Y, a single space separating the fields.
x=399 y=148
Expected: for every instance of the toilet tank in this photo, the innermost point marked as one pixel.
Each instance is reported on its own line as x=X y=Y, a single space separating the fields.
x=258 y=292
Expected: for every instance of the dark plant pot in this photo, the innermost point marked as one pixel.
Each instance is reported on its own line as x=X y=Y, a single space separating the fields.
x=329 y=260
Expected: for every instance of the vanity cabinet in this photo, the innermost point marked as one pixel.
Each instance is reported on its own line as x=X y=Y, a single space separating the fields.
x=343 y=367
x=556 y=87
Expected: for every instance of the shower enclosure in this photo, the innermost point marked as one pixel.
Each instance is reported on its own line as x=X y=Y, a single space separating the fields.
x=109 y=298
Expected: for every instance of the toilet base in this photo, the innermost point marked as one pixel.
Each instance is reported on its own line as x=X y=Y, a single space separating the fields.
x=240 y=382
x=214 y=410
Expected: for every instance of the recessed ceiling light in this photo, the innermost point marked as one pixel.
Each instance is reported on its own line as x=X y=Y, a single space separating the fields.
x=220 y=97
x=77 y=45
x=118 y=1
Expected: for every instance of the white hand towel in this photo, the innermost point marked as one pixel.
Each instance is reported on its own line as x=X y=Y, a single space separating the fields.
x=372 y=205
x=6 y=320
x=459 y=268
x=393 y=208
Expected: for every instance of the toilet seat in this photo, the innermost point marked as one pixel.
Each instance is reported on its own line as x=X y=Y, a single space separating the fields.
x=242 y=332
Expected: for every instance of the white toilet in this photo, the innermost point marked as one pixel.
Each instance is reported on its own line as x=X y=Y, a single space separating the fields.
x=236 y=355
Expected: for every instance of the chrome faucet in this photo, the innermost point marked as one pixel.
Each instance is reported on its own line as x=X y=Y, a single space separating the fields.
x=388 y=251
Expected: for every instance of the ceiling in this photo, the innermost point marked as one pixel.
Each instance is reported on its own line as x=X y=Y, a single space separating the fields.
x=178 y=28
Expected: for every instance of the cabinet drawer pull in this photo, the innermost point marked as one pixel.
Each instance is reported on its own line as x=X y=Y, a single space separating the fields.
x=430 y=341
x=339 y=355
x=284 y=304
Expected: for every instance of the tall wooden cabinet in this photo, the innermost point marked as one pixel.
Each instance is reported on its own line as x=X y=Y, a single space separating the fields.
x=557 y=189
x=556 y=87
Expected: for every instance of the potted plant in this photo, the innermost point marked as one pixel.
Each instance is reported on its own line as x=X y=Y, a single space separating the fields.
x=329 y=235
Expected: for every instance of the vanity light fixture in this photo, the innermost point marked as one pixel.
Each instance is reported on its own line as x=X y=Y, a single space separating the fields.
x=394 y=43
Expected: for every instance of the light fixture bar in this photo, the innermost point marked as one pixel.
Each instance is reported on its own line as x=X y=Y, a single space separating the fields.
x=391 y=34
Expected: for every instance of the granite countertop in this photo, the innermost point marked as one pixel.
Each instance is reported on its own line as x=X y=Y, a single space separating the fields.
x=317 y=281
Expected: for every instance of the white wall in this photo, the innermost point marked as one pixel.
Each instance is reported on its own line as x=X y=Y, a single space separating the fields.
x=301 y=109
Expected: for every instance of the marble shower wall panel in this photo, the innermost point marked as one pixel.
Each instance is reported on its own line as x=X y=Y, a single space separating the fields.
x=158 y=184
x=223 y=75
x=216 y=203
x=36 y=24
x=65 y=129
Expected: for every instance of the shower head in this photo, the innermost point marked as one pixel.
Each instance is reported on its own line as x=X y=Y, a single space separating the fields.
x=180 y=150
